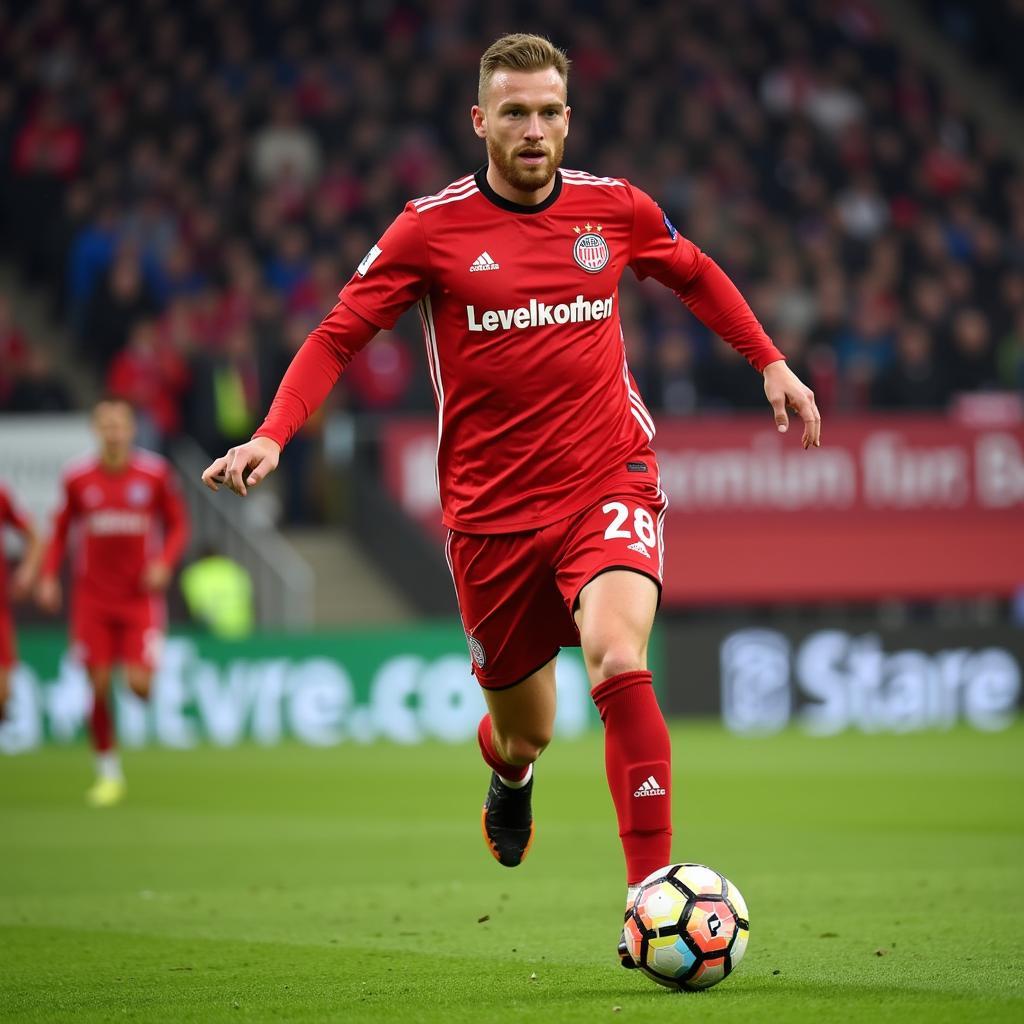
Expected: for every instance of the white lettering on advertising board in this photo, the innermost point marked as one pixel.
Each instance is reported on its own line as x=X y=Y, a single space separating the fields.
x=999 y=468
x=410 y=699
x=835 y=680
x=763 y=474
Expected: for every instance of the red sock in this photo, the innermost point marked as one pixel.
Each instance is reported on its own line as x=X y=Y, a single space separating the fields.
x=102 y=725
x=512 y=772
x=638 y=762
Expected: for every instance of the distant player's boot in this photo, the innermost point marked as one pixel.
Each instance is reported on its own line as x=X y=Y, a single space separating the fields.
x=507 y=821
x=105 y=793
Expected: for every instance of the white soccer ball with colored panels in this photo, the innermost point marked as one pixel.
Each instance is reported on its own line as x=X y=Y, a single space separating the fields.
x=688 y=926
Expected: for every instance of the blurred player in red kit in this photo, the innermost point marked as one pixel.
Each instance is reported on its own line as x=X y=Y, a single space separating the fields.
x=548 y=481
x=127 y=526
x=20 y=587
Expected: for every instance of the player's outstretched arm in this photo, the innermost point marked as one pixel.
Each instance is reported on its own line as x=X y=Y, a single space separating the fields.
x=659 y=251
x=783 y=388
x=244 y=466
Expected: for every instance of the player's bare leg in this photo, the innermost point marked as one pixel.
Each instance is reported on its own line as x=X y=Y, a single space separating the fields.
x=615 y=617
x=139 y=679
x=512 y=736
x=109 y=787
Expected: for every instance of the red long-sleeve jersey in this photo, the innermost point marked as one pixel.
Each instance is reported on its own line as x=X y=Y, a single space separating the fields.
x=117 y=522
x=538 y=414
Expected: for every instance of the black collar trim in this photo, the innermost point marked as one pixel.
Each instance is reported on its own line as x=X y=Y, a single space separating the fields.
x=506 y=204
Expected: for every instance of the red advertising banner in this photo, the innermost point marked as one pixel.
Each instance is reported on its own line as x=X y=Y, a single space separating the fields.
x=889 y=507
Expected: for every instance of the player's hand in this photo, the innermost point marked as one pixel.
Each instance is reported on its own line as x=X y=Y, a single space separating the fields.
x=244 y=466
x=48 y=594
x=21 y=581
x=784 y=388
x=156 y=576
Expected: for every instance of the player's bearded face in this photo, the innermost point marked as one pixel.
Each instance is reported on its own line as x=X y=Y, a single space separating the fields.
x=517 y=163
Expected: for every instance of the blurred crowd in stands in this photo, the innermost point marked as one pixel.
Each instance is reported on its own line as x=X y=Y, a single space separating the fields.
x=195 y=183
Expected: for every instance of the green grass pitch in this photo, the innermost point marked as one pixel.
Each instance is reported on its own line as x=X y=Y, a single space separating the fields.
x=884 y=875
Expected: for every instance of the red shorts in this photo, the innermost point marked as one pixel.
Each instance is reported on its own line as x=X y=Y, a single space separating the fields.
x=129 y=633
x=518 y=591
x=8 y=650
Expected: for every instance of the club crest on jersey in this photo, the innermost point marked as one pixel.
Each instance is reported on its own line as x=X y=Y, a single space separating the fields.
x=476 y=649
x=138 y=492
x=590 y=250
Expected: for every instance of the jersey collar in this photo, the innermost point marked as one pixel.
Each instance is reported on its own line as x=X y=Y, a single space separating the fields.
x=506 y=204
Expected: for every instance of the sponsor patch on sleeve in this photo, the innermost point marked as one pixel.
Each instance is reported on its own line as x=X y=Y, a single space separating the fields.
x=669 y=226
x=367 y=261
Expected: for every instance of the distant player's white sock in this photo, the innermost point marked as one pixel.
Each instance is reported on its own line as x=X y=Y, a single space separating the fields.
x=108 y=766
x=631 y=891
x=518 y=784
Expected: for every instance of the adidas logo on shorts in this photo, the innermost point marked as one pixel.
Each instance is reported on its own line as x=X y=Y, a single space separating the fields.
x=650 y=787
x=641 y=547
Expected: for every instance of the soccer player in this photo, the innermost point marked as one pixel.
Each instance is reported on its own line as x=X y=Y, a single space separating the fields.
x=548 y=482
x=128 y=526
x=21 y=585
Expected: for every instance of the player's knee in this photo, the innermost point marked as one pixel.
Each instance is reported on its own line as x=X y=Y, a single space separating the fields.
x=525 y=748
x=140 y=683
x=613 y=659
x=140 y=687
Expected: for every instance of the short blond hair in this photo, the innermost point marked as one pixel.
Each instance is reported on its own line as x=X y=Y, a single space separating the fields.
x=520 y=51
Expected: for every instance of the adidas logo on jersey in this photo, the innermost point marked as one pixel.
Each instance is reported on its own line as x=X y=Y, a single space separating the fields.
x=651 y=787
x=641 y=547
x=484 y=262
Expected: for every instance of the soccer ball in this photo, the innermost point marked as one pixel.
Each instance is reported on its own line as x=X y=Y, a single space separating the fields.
x=688 y=926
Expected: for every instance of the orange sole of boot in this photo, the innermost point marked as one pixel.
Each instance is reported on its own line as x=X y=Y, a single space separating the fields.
x=490 y=845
